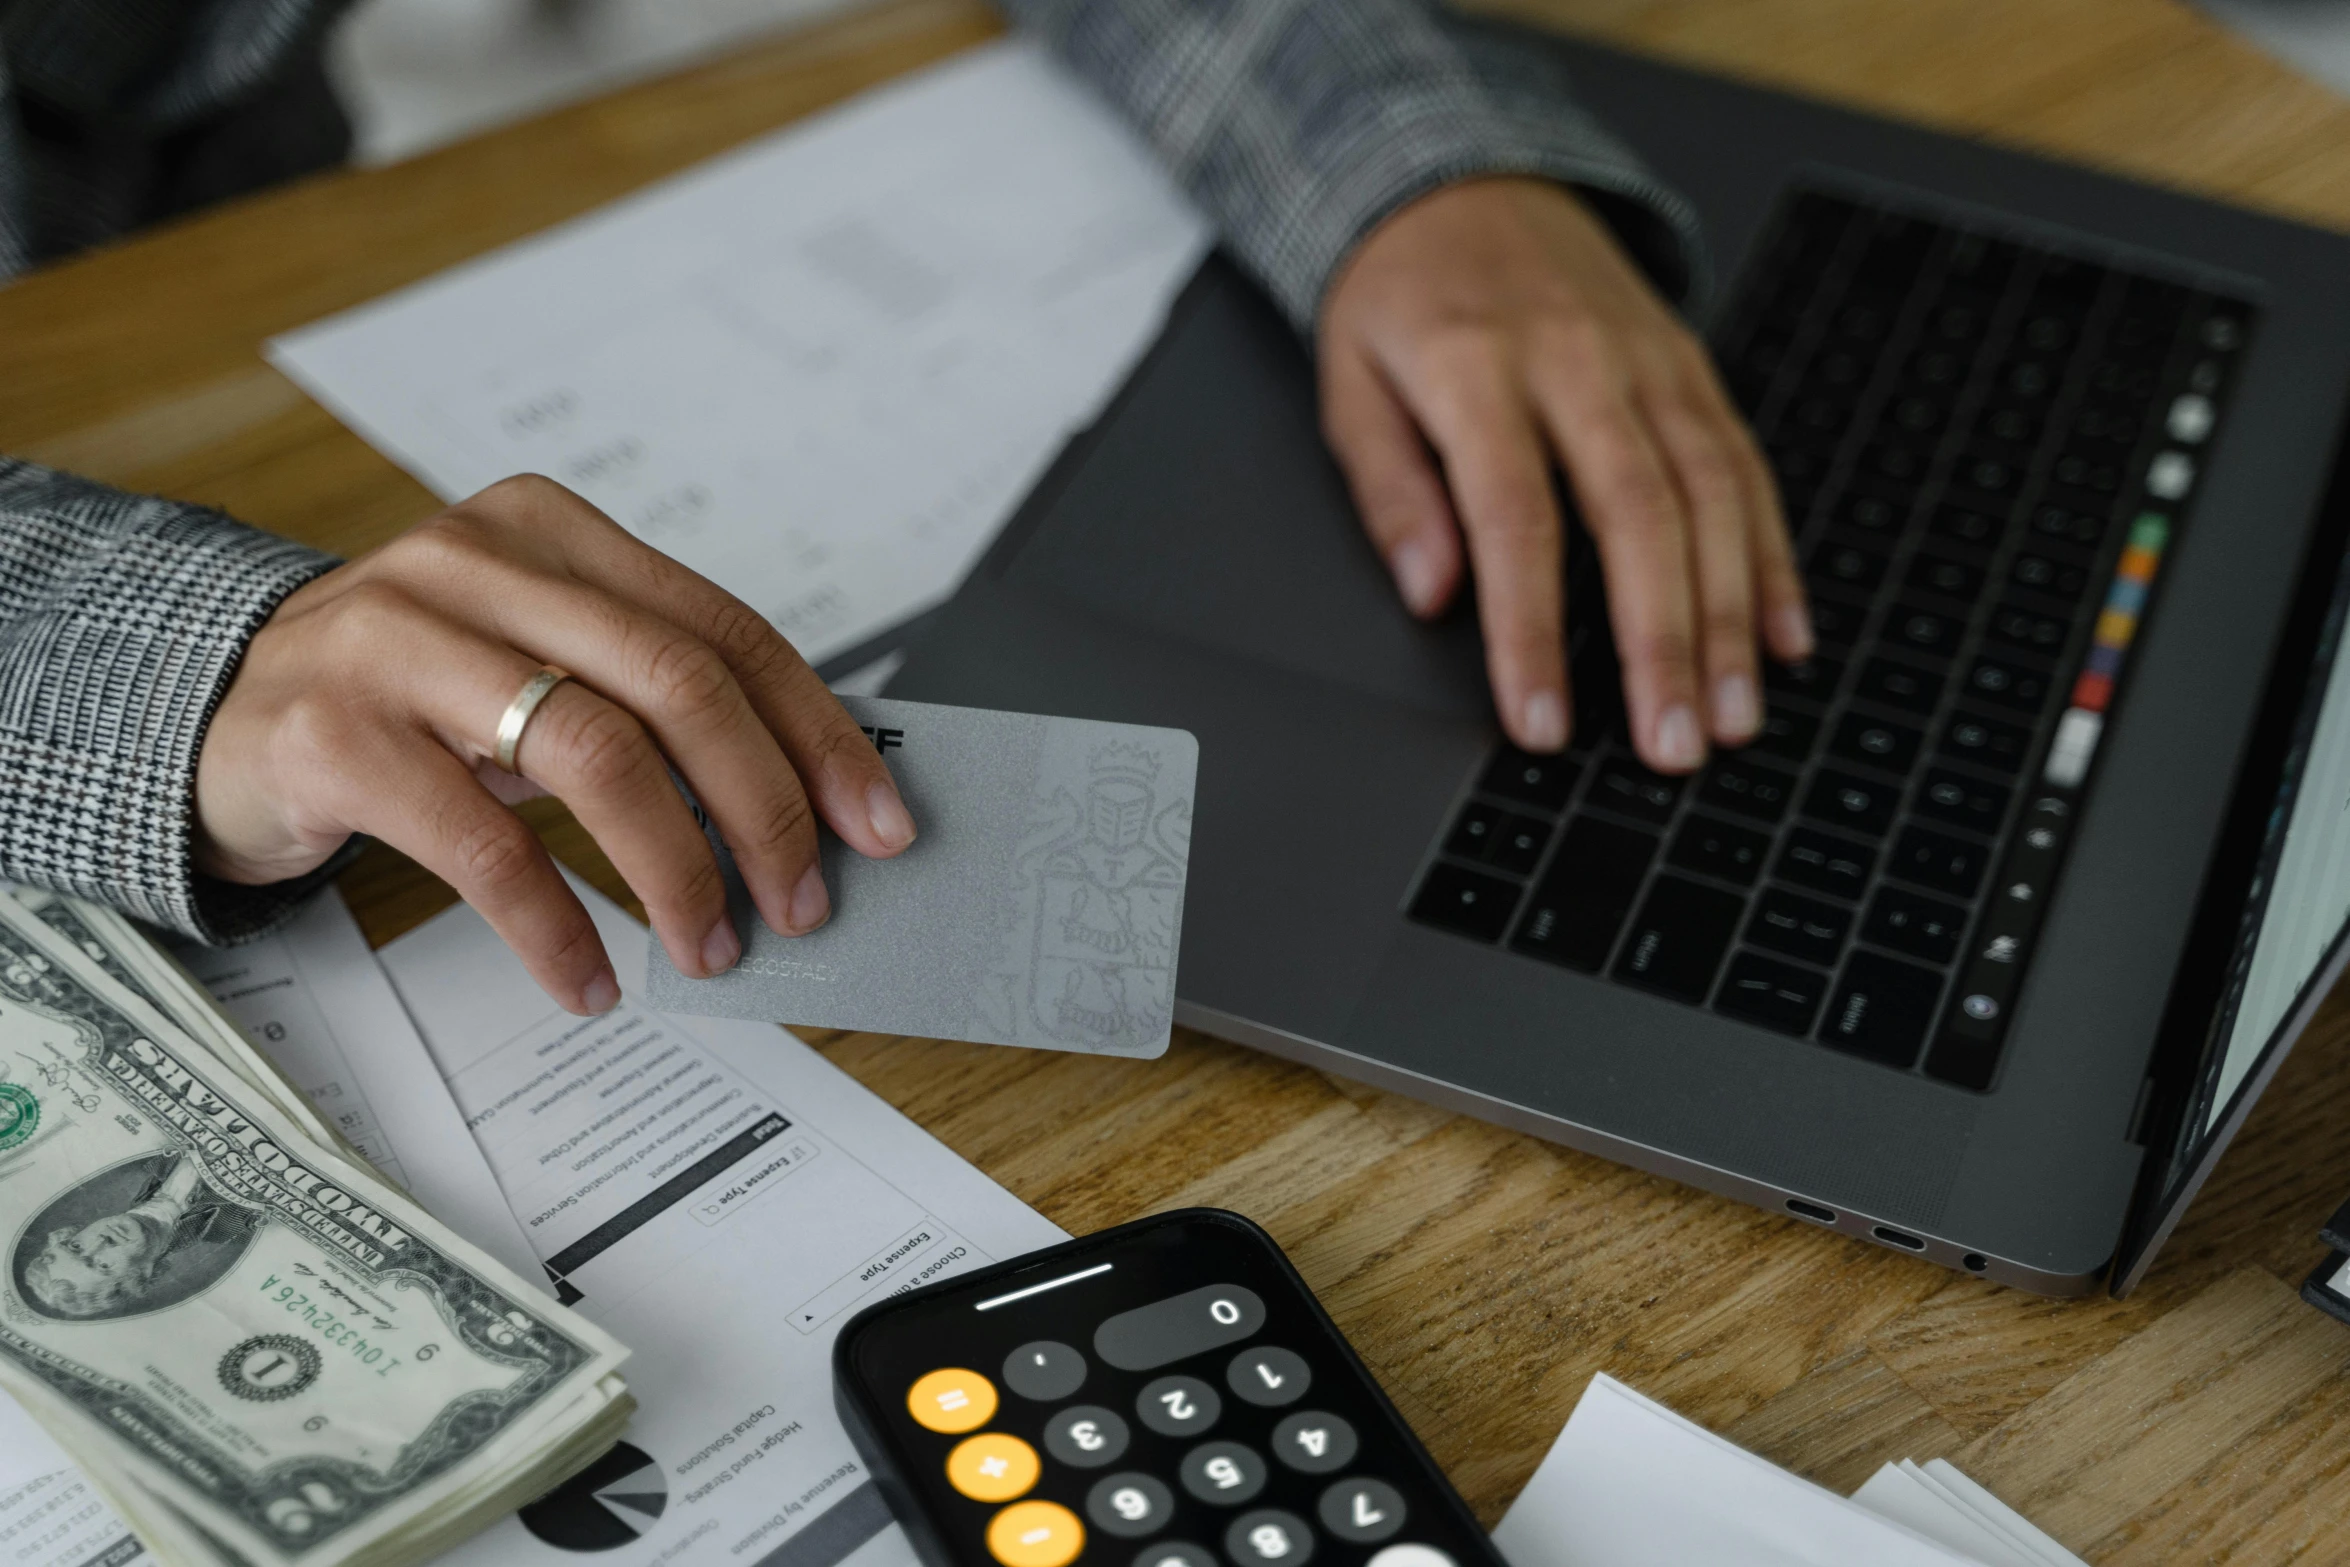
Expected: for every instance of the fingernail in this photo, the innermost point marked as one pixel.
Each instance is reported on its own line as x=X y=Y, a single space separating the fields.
x=1543 y=722
x=602 y=993
x=887 y=812
x=721 y=947
x=1678 y=743
x=1415 y=568
x=1735 y=716
x=1791 y=631
x=811 y=905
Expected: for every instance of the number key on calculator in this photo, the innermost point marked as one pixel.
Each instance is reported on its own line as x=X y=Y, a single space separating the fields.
x=1165 y=1394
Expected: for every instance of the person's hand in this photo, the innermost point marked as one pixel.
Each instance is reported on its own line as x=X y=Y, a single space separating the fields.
x=1490 y=328
x=369 y=702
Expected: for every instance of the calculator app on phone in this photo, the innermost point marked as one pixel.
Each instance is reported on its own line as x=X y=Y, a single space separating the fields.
x=1165 y=1394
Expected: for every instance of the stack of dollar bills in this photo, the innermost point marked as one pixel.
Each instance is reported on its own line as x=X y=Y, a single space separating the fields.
x=260 y=1350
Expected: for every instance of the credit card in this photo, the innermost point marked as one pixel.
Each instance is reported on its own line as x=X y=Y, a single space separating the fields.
x=1041 y=903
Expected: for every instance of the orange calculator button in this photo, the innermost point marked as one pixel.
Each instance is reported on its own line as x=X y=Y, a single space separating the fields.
x=992 y=1467
x=953 y=1401
x=1035 y=1534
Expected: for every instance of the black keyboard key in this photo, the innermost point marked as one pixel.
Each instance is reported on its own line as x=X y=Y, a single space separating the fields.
x=1835 y=623
x=1774 y=994
x=1800 y=927
x=1625 y=786
x=1900 y=685
x=2053 y=521
x=1882 y=1008
x=1813 y=680
x=1933 y=859
x=2010 y=684
x=1473 y=834
x=1961 y=801
x=1986 y=742
x=1746 y=787
x=1926 y=632
x=1543 y=782
x=1466 y=902
x=1918 y=417
x=1877 y=742
x=1910 y=922
x=1573 y=917
x=1717 y=849
x=1856 y=804
x=2044 y=574
x=1988 y=474
x=1677 y=939
x=2019 y=427
x=1903 y=465
x=1848 y=565
x=1826 y=864
x=1969 y=526
x=1872 y=514
x=1949 y=578
x=1517 y=845
x=2028 y=628
x=2086 y=470
x=1786 y=734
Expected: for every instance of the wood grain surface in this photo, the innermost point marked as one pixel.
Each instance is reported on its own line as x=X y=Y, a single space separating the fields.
x=1484 y=1275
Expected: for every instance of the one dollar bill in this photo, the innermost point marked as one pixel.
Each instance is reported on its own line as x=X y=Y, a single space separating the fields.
x=259 y=1350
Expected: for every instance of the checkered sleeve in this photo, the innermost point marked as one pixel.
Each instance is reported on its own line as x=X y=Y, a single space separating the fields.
x=122 y=619
x=1300 y=124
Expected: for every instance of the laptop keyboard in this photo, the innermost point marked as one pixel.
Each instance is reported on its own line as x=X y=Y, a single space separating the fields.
x=1986 y=448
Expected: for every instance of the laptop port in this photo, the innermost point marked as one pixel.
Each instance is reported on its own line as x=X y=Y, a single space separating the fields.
x=1976 y=1262
x=1893 y=1237
x=1811 y=1210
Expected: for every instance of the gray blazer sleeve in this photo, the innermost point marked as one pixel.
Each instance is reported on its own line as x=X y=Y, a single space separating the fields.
x=1300 y=124
x=122 y=619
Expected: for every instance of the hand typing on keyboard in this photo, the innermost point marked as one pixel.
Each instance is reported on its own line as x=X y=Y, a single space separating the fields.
x=1483 y=333
x=1986 y=447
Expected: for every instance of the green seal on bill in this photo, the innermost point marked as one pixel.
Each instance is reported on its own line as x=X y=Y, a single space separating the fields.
x=20 y=1113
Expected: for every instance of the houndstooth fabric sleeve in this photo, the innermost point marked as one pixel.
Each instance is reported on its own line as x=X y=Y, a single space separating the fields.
x=122 y=619
x=1300 y=124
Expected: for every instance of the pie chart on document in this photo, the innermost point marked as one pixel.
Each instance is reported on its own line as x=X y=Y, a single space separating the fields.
x=611 y=1502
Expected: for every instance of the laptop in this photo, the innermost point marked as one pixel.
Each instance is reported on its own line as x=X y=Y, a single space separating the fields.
x=1982 y=950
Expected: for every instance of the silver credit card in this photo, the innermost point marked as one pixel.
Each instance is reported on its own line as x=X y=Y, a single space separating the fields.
x=1041 y=903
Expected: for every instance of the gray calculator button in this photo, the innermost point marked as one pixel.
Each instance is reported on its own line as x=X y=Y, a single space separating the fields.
x=1410 y=1554
x=1269 y=1537
x=1225 y=1474
x=1362 y=1512
x=1168 y=1330
x=1045 y=1371
x=1180 y=1553
x=1178 y=1406
x=1314 y=1442
x=1129 y=1505
x=1086 y=1436
x=1269 y=1376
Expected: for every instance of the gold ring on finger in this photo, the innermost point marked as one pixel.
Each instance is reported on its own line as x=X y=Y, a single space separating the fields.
x=526 y=701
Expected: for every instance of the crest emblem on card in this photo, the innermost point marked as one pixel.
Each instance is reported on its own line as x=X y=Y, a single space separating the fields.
x=1089 y=963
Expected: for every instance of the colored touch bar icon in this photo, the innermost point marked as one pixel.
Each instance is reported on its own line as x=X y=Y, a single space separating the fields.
x=2083 y=724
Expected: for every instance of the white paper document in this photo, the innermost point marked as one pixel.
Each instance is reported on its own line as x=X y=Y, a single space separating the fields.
x=49 y=1515
x=315 y=1002
x=1941 y=1503
x=720 y=1198
x=1629 y=1483
x=820 y=370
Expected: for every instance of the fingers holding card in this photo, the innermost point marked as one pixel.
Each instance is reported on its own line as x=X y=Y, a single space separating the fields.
x=1042 y=904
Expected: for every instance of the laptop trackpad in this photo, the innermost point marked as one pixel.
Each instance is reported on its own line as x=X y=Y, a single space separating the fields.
x=1207 y=509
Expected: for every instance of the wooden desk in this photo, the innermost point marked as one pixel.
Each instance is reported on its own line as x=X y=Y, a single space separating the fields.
x=1484 y=1275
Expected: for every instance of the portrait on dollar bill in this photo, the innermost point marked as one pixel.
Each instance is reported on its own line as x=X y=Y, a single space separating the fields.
x=139 y=1236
